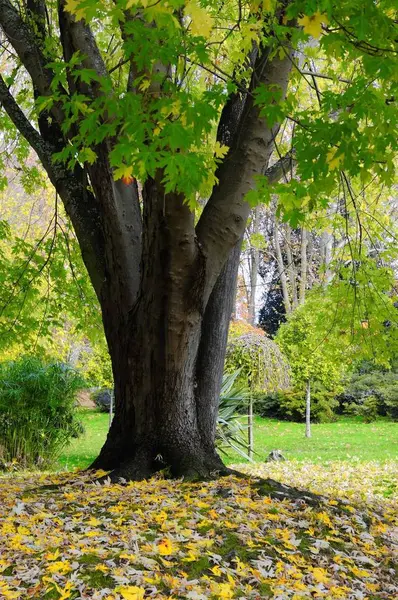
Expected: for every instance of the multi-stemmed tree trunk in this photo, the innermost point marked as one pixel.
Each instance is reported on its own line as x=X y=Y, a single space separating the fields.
x=165 y=284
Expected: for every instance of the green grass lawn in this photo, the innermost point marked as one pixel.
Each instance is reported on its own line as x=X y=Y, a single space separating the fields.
x=345 y=439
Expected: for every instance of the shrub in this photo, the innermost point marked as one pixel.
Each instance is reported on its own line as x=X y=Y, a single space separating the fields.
x=368 y=408
x=103 y=398
x=95 y=364
x=230 y=432
x=267 y=405
x=323 y=403
x=37 y=411
x=370 y=393
x=262 y=367
x=290 y=405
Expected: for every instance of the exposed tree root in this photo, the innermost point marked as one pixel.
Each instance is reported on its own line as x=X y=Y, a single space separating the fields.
x=143 y=466
x=281 y=491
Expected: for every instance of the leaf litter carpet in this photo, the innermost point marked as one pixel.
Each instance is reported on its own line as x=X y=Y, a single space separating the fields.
x=64 y=536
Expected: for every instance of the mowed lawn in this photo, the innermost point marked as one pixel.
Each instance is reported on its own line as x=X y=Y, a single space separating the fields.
x=346 y=439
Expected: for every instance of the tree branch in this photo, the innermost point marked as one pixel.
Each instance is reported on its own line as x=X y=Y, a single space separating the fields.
x=224 y=217
x=21 y=122
x=83 y=40
x=281 y=168
x=94 y=216
x=27 y=46
x=79 y=203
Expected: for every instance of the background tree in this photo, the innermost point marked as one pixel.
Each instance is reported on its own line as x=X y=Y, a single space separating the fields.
x=338 y=326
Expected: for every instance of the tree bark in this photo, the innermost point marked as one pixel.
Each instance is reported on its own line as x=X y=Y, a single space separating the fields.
x=327 y=250
x=254 y=265
x=303 y=265
x=281 y=269
x=291 y=267
x=167 y=423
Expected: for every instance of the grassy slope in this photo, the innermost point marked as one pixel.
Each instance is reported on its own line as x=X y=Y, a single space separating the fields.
x=343 y=440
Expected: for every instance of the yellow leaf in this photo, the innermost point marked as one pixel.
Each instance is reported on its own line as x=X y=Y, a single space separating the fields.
x=222 y=590
x=72 y=6
x=66 y=592
x=220 y=151
x=190 y=557
x=359 y=572
x=144 y=85
x=320 y=575
x=166 y=547
x=334 y=160
x=99 y=473
x=52 y=555
x=131 y=592
x=127 y=556
x=201 y=21
x=60 y=566
x=5 y=592
x=313 y=24
x=123 y=172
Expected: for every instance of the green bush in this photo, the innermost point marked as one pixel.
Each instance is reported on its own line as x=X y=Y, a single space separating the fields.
x=267 y=405
x=371 y=393
x=37 y=411
x=369 y=408
x=290 y=405
x=230 y=431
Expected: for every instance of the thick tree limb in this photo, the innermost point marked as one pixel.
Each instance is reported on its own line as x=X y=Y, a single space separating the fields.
x=25 y=44
x=83 y=40
x=224 y=217
x=281 y=168
x=112 y=199
x=215 y=324
x=21 y=122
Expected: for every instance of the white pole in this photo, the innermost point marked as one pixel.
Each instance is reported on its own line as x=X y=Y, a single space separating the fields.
x=250 y=426
x=308 y=410
x=111 y=409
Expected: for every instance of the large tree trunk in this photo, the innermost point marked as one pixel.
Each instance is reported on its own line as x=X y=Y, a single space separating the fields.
x=158 y=415
x=213 y=343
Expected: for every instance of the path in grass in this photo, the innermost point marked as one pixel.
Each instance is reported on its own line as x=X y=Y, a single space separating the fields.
x=345 y=439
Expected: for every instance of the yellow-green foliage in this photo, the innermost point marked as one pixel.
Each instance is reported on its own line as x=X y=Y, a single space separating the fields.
x=37 y=411
x=262 y=365
x=95 y=365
